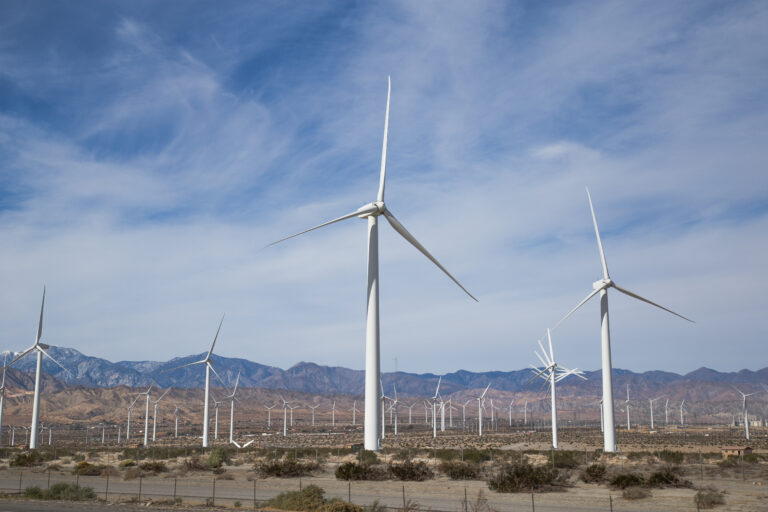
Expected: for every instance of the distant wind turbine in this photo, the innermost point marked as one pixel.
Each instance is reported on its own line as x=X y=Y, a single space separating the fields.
x=744 y=410
x=601 y=287
x=154 y=416
x=371 y=212
x=480 y=410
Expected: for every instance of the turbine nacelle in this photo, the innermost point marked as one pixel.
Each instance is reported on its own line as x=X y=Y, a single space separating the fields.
x=602 y=284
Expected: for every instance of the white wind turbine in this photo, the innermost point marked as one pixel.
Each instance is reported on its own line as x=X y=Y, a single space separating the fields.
x=313 y=407
x=232 y=410
x=552 y=373
x=744 y=410
x=176 y=421
x=601 y=287
x=626 y=405
x=41 y=351
x=354 y=413
x=269 y=414
x=208 y=369
x=410 y=412
x=682 y=422
x=285 y=417
x=510 y=412
x=371 y=212
x=146 y=417
x=154 y=416
x=128 y=425
x=434 y=407
x=650 y=402
x=480 y=411
x=464 y=414
x=666 y=412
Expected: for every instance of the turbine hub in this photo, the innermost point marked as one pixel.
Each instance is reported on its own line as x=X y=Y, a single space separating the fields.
x=371 y=209
x=602 y=284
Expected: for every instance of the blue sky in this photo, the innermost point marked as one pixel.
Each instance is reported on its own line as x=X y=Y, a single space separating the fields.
x=149 y=150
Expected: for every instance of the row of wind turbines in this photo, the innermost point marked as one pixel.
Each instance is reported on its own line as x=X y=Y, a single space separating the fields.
x=375 y=400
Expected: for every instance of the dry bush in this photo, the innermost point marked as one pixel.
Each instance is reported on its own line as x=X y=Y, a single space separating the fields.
x=132 y=474
x=525 y=477
x=635 y=493
x=411 y=471
x=708 y=497
x=594 y=474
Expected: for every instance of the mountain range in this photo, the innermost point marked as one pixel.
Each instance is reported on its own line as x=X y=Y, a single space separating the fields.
x=308 y=377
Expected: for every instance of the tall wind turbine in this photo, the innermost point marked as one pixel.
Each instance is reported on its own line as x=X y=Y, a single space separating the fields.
x=626 y=405
x=666 y=412
x=744 y=410
x=552 y=373
x=128 y=425
x=208 y=369
x=269 y=414
x=371 y=212
x=41 y=351
x=176 y=421
x=601 y=287
x=146 y=417
x=682 y=422
x=232 y=410
x=313 y=407
x=154 y=416
x=434 y=407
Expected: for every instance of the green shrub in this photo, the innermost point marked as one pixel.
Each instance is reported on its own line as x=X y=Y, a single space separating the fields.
x=217 y=457
x=26 y=459
x=567 y=459
x=194 y=464
x=708 y=497
x=69 y=492
x=354 y=471
x=411 y=471
x=667 y=477
x=461 y=470
x=594 y=474
x=476 y=456
x=286 y=468
x=368 y=457
x=445 y=455
x=153 y=467
x=625 y=480
x=127 y=463
x=635 y=493
x=33 y=492
x=524 y=478
x=671 y=457
x=337 y=505
x=308 y=499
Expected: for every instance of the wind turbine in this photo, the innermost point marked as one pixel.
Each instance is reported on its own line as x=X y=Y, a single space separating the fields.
x=744 y=410
x=434 y=405
x=154 y=416
x=146 y=416
x=626 y=405
x=601 y=287
x=128 y=425
x=41 y=351
x=410 y=412
x=651 y=404
x=333 y=414
x=208 y=369
x=354 y=412
x=464 y=414
x=269 y=414
x=216 y=404
x=2 y=400
x=681 y=413
x=510 y=412
x=552 y=373
x=285 y=417
x=480 y=411
x=666 y=412
x=176 y=421
x=525 y=413
x=232 y=410
x=371 y=212
x=313 y=407
x=292 y=407
x=394 y=405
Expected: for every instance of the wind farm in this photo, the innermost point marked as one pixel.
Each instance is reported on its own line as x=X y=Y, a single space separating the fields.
x=163 y=167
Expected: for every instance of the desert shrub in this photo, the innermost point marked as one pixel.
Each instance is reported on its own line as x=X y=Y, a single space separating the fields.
x=477 y=456
x=625 y=480
x=525 y=477
x=26 y=459
x=68 y=492
x=308 y=499
x=337 y=505
x=354 y=471
x=33 y=492
x=153 y=467
x=708 y=497
x=751 y=458
x=53 y=467
x=635 y=493
x=86 y=469
x=411 y=471
x=444 y=454
x=286 y=468
x=671 y=457
x=460 y=470
x=127 y=463
x=217 y=457
x=194 y=464
x=566 y=459
x=132 y=473
x=225 y=476
x=667 y=477
x=730 y=461
x=636 y=455
x=594 y=474
x=368 y=457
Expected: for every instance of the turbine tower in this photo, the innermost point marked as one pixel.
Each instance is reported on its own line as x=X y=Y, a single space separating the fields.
x=650 y=402
x=146 y=417
x=232 y=410
x=601 y=287
x=208 y=369
x=41 y=351
x=434 y=405
x=128 y=425
x=269 y=414
x=682 y=422
x=313 y=407
x=371 y=212
x=154 y=416
x=552 y=373
x=626 y=405
x=744 y=410
x=480 y=411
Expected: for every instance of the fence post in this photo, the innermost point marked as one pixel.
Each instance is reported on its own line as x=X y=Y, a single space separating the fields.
x=20 y=477
x=106 y=492
x=465 y=499
x=533 y=504
x=213 y=498
x=349 y=491
x=49 y=479
x=140 y=479
x=254 y=493
x=404 y=505
x=77 y=479
x=174 y=490
x=742 y=467
x=701 y=466
x=610 y=500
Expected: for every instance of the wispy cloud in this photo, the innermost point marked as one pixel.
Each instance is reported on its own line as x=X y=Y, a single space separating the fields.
x=148 y=153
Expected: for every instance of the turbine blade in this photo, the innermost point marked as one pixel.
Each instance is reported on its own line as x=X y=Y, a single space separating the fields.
x=545 y=363
x=216 y=374
x=405 y=234
x=246 y=444
x=30 y=349
x=636 y=296
x=486 y=390
x=363 y=210
x=237 y=381
x=540 y=374
x=592 y=294
x=163 y=395
x=40 y=325
x=46 y=354
x=202 y=361
x=383 y=174
x=551 y=352
x=438 y=385
x=215 y=338
x=597 y=234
